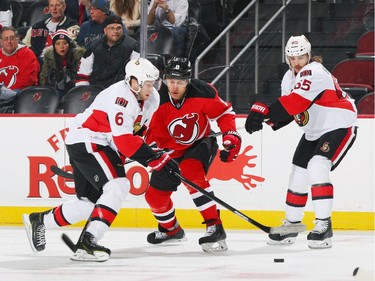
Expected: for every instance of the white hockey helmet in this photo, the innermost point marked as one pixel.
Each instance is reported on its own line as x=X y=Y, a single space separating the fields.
x=297 y=46
x=141 y=69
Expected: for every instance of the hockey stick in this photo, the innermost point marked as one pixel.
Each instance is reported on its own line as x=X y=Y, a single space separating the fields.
x=285 y=229
x=56 y=170
x=69 y=242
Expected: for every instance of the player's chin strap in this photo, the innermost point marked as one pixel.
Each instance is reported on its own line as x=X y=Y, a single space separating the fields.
x=284 y=229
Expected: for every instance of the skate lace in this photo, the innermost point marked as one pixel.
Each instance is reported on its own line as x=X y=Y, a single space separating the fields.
x=320 y=226
x=160 y=235
x=40 y=235
x=210 y=230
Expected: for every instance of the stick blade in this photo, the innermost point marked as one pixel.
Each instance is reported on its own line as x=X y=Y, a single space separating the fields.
x=68 y=242
x=286 y=229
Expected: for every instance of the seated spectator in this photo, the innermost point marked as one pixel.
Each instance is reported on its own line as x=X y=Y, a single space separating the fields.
x=92 y=29
x=61 y=63
x=104 y=61
x=172 y=15
x=19 y=66
x=78 y=10
x=6 y=14
x=130 y=13
x=39 y=37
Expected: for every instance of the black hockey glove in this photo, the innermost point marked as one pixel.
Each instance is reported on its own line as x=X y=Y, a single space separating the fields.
x=162 y=163
x=254 y=121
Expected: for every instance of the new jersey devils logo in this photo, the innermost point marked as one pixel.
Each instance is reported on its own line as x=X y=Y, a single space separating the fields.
x=185 y=130
x=8 y=75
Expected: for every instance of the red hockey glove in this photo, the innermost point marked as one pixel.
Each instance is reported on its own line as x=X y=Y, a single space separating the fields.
x=254 y=121
x=232 y=146
x=164 y=164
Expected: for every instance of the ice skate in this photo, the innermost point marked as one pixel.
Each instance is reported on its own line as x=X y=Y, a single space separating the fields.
x=320 y=236
x=35 y=230
x=89 y=250
x=283 y=239
x=214 y=239
x=164 y=236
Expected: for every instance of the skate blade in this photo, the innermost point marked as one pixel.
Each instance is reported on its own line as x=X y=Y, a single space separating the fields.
x=215 y=247
x=286 y=241
x=286 y=229
x=174 y=240
x=27 y=225
x=82 y=255
x=323 y=244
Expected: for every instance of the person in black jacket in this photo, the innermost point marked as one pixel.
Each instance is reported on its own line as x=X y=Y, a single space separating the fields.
x=41 y=33
x=104 y=61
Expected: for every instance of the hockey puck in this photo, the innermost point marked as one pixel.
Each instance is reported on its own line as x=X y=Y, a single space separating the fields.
x=278 y=260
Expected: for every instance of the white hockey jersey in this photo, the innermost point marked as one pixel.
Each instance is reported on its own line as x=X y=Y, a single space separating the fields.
x=316 y=100
x=110 y=119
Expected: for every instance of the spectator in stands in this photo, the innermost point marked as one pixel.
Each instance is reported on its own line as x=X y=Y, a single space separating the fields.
x=172 y=15
x=104 y=61
x=39 y=37
x=78 y=10
x=19 y=66
x=129 y=11
x=93 y=28
x=61 y=63
x=6 y=14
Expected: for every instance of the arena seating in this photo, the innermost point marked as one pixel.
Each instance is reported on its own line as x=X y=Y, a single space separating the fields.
x=37 y=99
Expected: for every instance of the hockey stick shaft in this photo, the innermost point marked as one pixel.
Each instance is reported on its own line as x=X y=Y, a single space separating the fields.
x=266 y=229
x=69 y=242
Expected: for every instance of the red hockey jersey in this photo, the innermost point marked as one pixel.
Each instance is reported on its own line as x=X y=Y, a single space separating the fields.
x=177 y=126
x=20 y=69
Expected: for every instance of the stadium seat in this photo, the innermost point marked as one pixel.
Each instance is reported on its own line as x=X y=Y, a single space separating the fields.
x=37 y=99
x=356 y=91
x=365 y=45
x=355 y=72
x=37 y=11
x=366 y=104
x=79 y=98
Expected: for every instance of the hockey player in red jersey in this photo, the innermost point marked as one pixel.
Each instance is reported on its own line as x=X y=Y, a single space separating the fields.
x=182 y=125
x=312 y=97
x=98 y=141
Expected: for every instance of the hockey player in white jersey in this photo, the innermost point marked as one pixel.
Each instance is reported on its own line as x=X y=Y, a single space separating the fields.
x=312 y=97
x=98 y=142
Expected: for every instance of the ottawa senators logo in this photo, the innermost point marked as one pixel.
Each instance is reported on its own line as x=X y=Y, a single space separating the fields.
x=185 y=130
x=8 y=75
x=325 y=147
x=121 y=101
x=302 y=119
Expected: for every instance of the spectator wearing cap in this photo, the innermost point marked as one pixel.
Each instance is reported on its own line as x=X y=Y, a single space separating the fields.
x=39 y=36
x=61 y=63
x=104 y=61
x=93 y=29
x=19 y=66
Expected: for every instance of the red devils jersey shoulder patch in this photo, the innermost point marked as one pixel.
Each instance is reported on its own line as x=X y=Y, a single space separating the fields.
x=121 y=101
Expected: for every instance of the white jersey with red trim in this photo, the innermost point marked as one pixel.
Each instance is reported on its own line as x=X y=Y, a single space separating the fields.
x=110 y=119
x=316 y=100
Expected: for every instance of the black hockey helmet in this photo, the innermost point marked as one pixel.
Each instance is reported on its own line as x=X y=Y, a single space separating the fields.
x=178 y=68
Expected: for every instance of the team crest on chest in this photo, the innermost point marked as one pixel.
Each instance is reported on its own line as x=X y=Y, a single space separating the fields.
x=302 y=119
x=185 y=130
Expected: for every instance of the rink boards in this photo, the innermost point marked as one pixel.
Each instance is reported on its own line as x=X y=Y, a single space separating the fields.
x=255 y=183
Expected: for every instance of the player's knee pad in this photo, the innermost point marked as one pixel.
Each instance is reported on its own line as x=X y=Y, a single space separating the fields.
x=157 y=198
x=193 y=170
x=118 y=188
x=318 y=169
x=299 y=180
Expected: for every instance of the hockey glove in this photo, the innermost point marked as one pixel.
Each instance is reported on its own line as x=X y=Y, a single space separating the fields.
x=232 y=146
x=162 y=163
x=254 y=121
